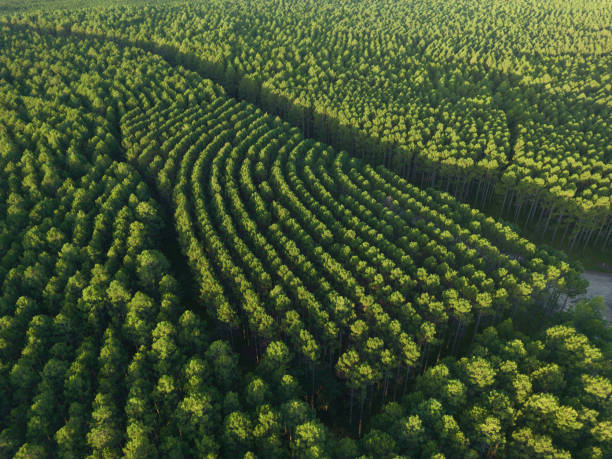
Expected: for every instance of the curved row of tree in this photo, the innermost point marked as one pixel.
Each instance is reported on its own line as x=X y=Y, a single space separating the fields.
x=318 y=266
x=99 y=354
x=345 y=280
x=513 y=112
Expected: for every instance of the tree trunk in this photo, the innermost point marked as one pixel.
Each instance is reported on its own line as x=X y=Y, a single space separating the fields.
x=552 y=209
x=363 y=397
x=569 y=224
x=406 y=380
x=442 y=341
x=456 y=339
x=600 y=232
x=542 y=213
x=516 y=305
x=512 y=197
x=532 y=209
x=476 y=327
x=588 y=238
x=395 y=382
x=313 y=383
x=517 y=213
x=385 y=387
x=576 y=235
x=501 y=210
x=351 y=407
x=425 y=357
x=491 y=190
x=561 y=215
x=605 y=244
x=466 y=187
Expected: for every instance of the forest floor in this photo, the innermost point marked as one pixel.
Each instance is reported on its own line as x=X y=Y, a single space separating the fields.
x=600 y=284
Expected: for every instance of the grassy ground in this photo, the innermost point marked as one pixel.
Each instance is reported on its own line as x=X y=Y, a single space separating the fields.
x=591 y=258
x=594 y=260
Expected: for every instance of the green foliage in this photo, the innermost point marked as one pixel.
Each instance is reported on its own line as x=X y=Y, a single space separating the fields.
x=534 y=403
x=98 y=356
x=305 y=284
x=443 y=92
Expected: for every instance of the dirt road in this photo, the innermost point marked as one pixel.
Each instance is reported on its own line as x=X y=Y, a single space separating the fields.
x=600 y=284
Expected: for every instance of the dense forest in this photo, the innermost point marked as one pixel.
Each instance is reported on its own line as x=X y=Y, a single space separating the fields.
x=301 y=229
x=447 y=94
